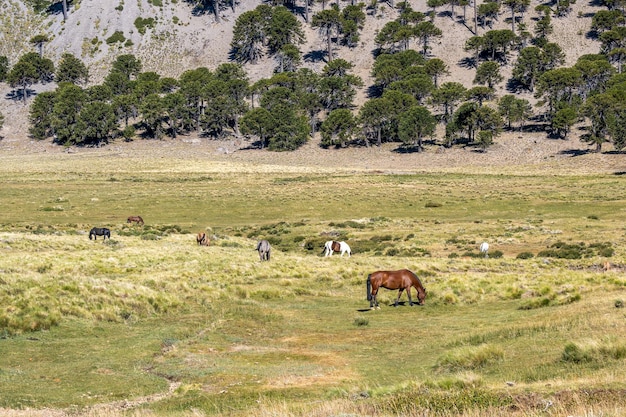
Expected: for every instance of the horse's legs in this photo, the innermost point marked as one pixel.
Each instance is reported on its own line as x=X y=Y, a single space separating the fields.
x=408 y=292
x=398 y=299
x=373 y=300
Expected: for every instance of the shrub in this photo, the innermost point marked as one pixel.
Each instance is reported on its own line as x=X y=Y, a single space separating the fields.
x=432 y=204
x=472 y=357
x=392 y=252
x=574 y=353
x=361 y=321
x=118 y=36
x=577 y=250
x=524 y=255
x=141 y=24
x=383 y=238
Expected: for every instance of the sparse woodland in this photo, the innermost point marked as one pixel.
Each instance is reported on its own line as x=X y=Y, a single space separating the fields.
x=406 y=101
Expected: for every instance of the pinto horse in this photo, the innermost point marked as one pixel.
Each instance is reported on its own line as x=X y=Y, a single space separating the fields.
x=100 y=231
x=264 y=249
x=135 y=219
x=202 y=239
x=332 y=246
x=394 y=280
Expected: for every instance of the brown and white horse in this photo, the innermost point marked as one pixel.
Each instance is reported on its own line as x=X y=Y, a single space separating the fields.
x=333 y=246
x=394 y=280
x=202 y=239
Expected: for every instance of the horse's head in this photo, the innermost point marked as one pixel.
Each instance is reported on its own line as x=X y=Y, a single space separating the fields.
x=421 y=295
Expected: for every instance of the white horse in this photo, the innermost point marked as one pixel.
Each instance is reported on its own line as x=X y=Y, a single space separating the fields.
x=484 y=248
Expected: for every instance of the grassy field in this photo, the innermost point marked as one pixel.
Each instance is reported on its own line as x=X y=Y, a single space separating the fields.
x=150 y=324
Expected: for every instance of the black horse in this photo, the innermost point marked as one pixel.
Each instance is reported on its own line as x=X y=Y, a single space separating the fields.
x=100 y=231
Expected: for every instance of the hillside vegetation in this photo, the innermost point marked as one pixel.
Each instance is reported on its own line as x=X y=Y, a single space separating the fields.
x=410 y=73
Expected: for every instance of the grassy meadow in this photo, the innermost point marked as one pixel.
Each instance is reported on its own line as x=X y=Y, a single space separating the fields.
x=150 y=324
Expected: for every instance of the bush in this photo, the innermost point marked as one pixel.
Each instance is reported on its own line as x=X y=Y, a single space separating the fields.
x=118 y=36
x=361 y=321
x=524 y=255
x=141 y=24
x=563 y=250
x=470 y=357
x=392 y=252
x=574 y=353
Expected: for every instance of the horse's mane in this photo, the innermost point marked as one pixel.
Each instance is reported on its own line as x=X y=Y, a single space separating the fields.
x=418 y=280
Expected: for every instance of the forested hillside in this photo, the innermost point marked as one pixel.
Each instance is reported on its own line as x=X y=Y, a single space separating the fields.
x=419 y=73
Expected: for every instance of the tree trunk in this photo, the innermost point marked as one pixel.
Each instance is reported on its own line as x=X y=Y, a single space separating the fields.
x=173 y=127
x=216 y=11
x=475 y=19
x=330 y=45
x=64 y=5
x=513 y=20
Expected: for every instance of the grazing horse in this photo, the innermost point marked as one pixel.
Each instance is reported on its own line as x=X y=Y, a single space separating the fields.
x=202 y=239
x=100 y=231
x=394 y=280
x=135 y=219
x=484 y=248
x=330 y=247
x=264 y=249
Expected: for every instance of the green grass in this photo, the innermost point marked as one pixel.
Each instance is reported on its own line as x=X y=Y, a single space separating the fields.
x=86 y=322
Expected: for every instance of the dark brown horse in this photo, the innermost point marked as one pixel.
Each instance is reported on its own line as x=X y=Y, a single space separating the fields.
x=394 y=280
x=135 y=219
x=202 y=239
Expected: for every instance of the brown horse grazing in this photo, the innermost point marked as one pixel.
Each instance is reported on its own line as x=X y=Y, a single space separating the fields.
x=202 y=239
x=394 y=280
x=135 y=219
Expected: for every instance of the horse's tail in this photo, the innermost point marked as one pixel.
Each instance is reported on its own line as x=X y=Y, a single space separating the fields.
x=369 y=287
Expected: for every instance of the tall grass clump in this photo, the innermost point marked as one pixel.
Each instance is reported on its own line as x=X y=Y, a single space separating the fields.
x=469 y=358
x=441 y=402
x=593 y=351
